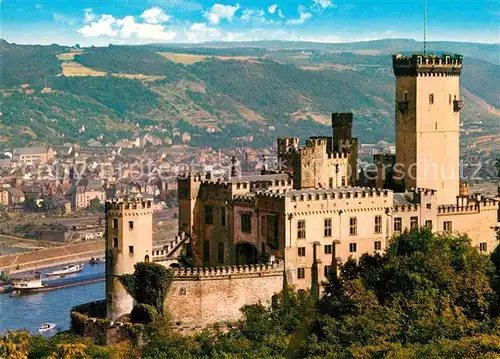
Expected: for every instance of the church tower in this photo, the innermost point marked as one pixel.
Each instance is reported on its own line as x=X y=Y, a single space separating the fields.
x=129 y=240
x=428 y=123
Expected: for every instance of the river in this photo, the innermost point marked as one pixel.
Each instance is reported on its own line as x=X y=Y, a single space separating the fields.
x=31 y=310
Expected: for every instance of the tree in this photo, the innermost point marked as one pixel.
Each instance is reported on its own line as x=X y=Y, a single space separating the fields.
x=96 y=206
x=497 y=166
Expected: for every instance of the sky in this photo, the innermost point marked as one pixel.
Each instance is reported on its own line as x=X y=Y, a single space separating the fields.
x=101 y=22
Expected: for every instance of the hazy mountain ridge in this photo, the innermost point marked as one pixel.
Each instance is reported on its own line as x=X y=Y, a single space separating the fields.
x=237 y=89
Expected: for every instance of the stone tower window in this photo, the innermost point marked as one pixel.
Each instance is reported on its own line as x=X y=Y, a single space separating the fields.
x=220 y=252
x=431 y=99
x=353 y=226
x=413 y=222
x=131 y=249
x=146 y=258
x=223 y=217
x=377 y=245
x=328 y=227
x=246 y=222
x=483 y=247
x=378 y=224
x=328 y=249
x=115 y=223
x=352 y=247
x=302 y=251
x=447 y=226
x=398 y=224
x=115 y=242
x=130 y=224
x=301 y=273
x=405 y=97
x=209 y=215
x=301 y=229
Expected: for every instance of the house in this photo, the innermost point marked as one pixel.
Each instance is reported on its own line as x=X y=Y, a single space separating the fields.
x=84 y=191
x=15 y=196
x=30 y=155
x=4 y=196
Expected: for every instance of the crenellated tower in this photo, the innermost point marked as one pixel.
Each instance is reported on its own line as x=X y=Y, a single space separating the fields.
x=428 y=123
x=129 y=240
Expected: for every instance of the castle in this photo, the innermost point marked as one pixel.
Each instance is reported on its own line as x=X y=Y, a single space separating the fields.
x=248 y=237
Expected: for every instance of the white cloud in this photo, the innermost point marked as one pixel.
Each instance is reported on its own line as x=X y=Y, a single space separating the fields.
x=155 y=15
x=303 y=17
x=101 y=27
x=219 y=12
x=126 y=28
x=324 y=4
x=280 y=14
x=272 y=9
x=199 y=32
x=88 y=15
x=255 y=16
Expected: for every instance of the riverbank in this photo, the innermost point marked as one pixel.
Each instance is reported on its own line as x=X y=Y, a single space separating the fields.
x=50 y=257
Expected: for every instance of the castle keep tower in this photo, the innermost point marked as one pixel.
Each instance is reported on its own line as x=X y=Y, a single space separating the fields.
x=428 y=123
x=129 y=239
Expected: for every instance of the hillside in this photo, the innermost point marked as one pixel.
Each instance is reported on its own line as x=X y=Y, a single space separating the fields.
x=120 y=91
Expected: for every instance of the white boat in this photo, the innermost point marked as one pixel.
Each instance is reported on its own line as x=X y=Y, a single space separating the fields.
x=96 y=260
x=45 y=327
x=69 y=269
x=27 y=283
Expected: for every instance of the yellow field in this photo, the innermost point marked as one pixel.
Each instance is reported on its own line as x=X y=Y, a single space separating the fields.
x=71 y=68
x=68 y=56
x=189 y=59
x=139 y=77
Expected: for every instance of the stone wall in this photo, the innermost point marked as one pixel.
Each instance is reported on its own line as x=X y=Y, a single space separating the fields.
x=203 y=296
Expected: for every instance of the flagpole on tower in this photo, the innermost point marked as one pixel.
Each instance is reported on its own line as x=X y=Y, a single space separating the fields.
x=425 y=27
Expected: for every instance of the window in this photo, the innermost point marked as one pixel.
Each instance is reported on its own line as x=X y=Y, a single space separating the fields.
x=429 y=206
x=413 y=223
x=301 y=229
x=131 y=249
x=302 y=251
x=115 y=242
x=328 y=227
x=223 y=217
x=353 y=226
x=330 y=182
x=115 y=223
x=220 y=252
x=398 y=224
x=146 y=258
x=431 y=99
x=428 y=224
x=483 y=247
x=262 y=226
x=378 y=224
x=405 y=97
x=246 y=222
x=327 y=271
x=301 y=273
x=343 y=181
x=352 y=247
x=206 y=251
x=449 y=99
x=328 y=249
x=209 y=215
x=447 y=226
x=130 y=224
x=272 y=232
x=377 y=245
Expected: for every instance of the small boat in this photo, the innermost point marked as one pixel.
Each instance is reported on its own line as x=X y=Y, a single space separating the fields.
x=45 y=327
x=69 y=269
x=96 y=260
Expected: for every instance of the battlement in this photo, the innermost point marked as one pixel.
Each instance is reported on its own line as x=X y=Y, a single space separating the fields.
x=336 y=193
x=424 y=191
x=427 y=65
x=458 y=209
x=348 y=141
x=127 y=204
x=276 y=183
x=233 y=272
x=169 y=247
x=342 y=119
x=338 y=155
x=314 y=142
x=407 y=208
x=287 y=144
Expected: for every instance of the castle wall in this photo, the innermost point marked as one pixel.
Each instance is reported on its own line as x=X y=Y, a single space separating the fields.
x=478 y=224
x=339 y=207
x=201 y=297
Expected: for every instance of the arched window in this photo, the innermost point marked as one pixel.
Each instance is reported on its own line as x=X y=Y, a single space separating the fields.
x=146 y=258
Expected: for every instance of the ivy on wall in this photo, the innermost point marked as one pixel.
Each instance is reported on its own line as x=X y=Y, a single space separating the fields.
x=149 y=284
